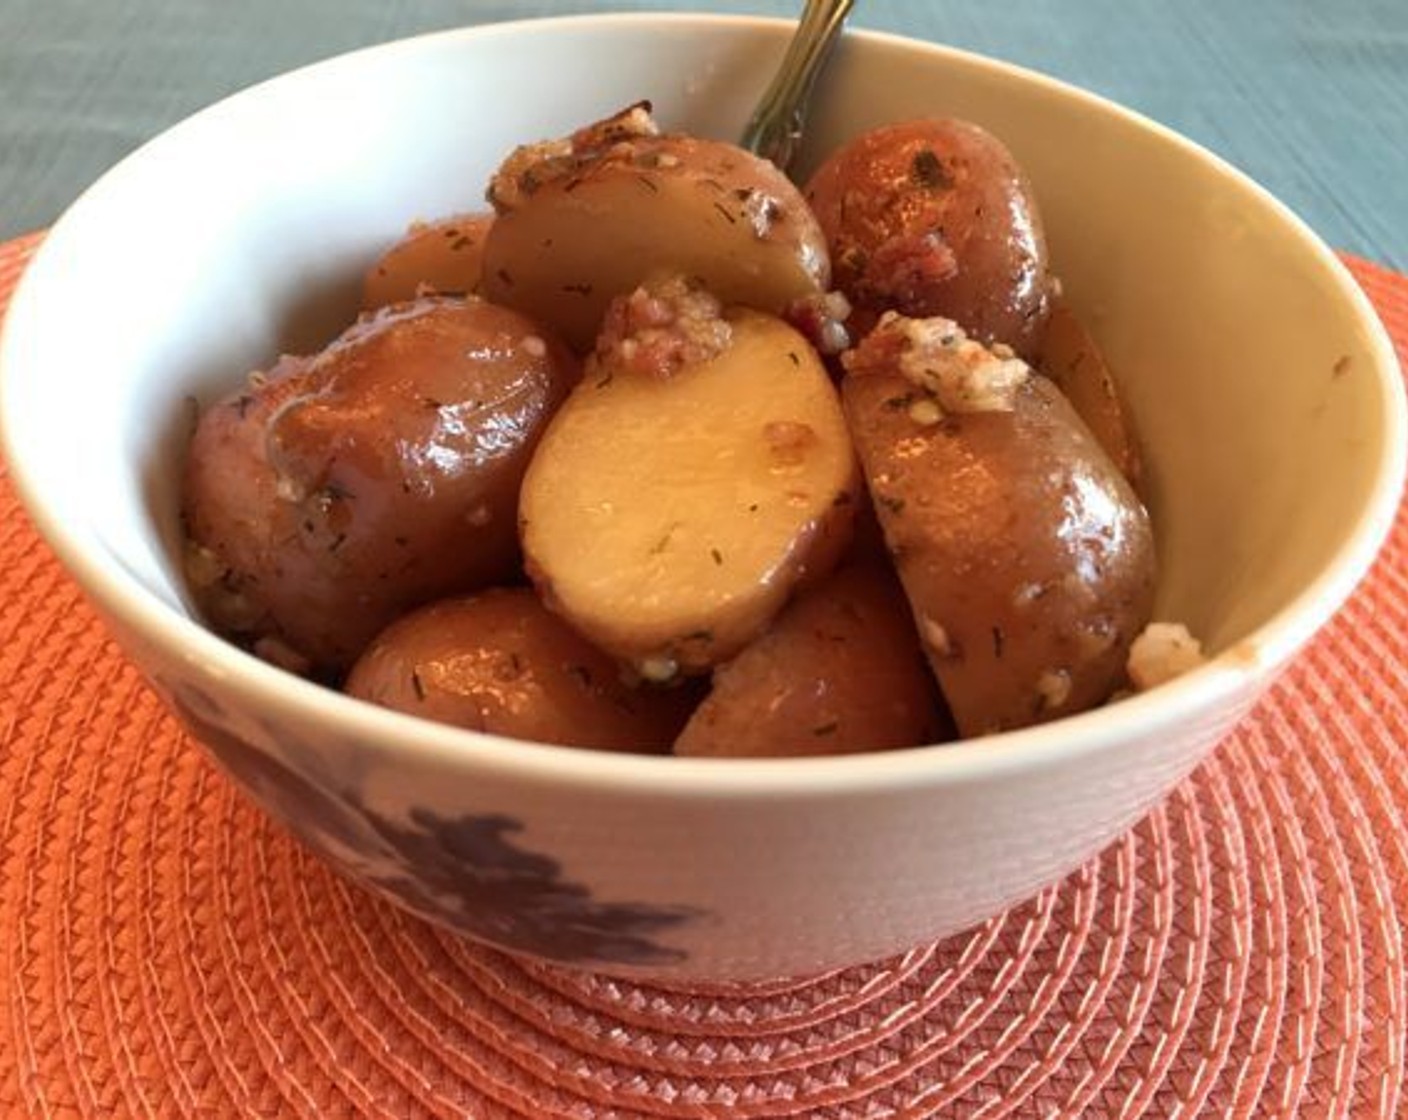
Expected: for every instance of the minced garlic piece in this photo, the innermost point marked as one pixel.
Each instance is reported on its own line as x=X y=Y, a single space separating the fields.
x=658 y=670
x=936 y=637
x=962 y=374
x=1163 y=651
x=1054 y=688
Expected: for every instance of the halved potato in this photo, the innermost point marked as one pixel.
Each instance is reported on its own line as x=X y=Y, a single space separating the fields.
x=501 y=662
x=443 y=257
x=672 y=508
x=1027 y=559
x=1072 y=359
x=581 y=221
x=839 y=671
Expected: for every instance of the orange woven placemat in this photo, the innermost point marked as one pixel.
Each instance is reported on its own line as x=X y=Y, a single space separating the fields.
x=166 y=949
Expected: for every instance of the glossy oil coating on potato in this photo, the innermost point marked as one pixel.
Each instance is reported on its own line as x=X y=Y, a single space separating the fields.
x=677 y=497
x=443 y=258
x=1027 y=559
x=500 y=662
x=324 y=500
x=583 y=220
x=934 y=217
x=839 y=671
x=1072 y=358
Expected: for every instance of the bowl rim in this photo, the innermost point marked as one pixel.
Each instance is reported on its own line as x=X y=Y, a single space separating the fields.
x=1224 y=680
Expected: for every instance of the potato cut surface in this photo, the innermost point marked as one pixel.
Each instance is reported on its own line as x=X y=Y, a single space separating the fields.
x=669 y=517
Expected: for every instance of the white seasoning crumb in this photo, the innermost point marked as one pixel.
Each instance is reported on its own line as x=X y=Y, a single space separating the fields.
x=666 y=160
x=658 y=670
x=479 y=516
x=287 y=490
x=1054 y=688
x=203 y=568
x=936 y=637
x=1028 y=594
x=1163 y=651
x=963 y=374
x=926 y=411
x=761 y=210
x=534 y=346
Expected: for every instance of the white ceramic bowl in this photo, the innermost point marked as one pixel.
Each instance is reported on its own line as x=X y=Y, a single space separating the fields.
x=1264 y=387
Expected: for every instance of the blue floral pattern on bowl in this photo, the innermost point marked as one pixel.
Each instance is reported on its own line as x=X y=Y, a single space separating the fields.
x=463 y=871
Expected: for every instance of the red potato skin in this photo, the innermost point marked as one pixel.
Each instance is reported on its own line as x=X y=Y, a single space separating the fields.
x=1072 y=359
x=501 y=663
x=840 y=671
x=443 y=257
x=934 y=217
x=1027 y=559
x=373 y=477
x=765 y=248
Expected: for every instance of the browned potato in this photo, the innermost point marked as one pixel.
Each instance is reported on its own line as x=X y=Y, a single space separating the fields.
x=934 y=217
x=586 y=219
x=1072 y=359
x=323 y=501
x=1027 y=559
x=840 y=671
x=500 y=662
x=443 y=257
x=699 y=472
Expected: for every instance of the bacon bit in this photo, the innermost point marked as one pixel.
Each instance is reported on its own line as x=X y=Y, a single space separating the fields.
x=661 y=327
x=903 y=271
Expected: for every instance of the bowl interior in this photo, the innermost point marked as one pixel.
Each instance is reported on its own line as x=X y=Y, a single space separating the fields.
x=1258 y=379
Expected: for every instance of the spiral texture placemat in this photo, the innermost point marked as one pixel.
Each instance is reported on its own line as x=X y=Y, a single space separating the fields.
x=165 y=949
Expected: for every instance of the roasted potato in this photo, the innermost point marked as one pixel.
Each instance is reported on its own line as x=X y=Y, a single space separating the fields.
x=583 y=220
x=839 y=671
x=934 y=217
x=1071 y=357
x=443 y=258
x=499 y=661
x=699 y=472
x=345 y=488
x=1027 y=558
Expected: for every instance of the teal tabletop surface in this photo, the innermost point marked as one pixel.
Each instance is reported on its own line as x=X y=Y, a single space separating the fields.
x=1310 y=97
